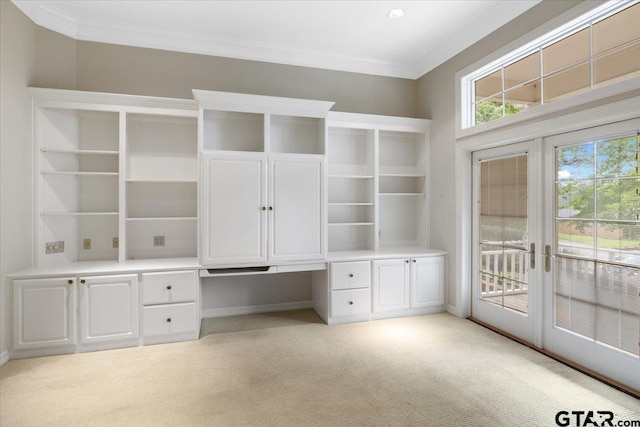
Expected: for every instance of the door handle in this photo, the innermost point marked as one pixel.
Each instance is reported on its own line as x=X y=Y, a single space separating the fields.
x=547 y=258
x=532 y=260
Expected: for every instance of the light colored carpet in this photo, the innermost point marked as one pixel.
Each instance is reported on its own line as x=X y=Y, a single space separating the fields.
x=435 y=370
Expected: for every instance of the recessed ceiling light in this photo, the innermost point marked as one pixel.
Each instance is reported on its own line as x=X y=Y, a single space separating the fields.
x=396 y=13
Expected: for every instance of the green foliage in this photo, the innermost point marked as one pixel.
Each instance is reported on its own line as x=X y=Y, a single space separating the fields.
x=491 y=110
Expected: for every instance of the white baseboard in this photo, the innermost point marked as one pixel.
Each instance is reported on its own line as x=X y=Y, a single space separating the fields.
x=4 y=357
x=451 y=309
x=255 y=309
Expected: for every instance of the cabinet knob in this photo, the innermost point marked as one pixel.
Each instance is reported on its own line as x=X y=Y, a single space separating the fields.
x=270 y=208
x=414 y=260
x=82 y=281
x=169 y=320
x=264 y=208
x=350 y=274
x=407 y=261
x=168 y=287
x=350 y=302
x=70 y=282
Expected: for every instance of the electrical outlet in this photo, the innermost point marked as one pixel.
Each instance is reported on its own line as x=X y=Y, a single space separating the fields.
x=158 y=240
x=86 y=244
x=116 y=242
x=54 y=247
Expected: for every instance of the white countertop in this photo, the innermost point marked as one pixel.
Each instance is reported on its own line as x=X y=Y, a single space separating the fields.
x=399 y=252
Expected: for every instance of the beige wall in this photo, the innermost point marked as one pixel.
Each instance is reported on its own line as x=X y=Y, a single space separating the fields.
x=436 y=92
x=17 y=71
x=140 y=71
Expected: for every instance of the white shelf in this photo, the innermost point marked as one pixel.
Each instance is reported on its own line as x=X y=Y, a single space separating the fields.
x=350 y=204
x=82 y=152
x=168 y=218
x=78 y=213
x=350 y=223
x=402 y=194
x=72 y=173
x=402 y=175
x=352 y=176
x=162 y=181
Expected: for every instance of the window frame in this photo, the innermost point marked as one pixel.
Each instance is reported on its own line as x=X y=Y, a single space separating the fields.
x=566 y=24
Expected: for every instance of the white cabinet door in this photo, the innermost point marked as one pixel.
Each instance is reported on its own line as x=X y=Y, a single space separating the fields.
x=44 y=313
x=233 y=214
x=296 y=222
x=427 y=282
x=108 y=307
x=390 y=285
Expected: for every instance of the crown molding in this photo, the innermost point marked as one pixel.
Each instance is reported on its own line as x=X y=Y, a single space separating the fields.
x=52 y=18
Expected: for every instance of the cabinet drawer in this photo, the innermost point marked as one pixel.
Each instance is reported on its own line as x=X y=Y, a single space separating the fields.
x=350 y=275
x=350 y=302
x=168 y=287
x=169 y=319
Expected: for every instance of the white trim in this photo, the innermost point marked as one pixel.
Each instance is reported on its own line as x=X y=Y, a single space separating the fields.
x=609 y=113
x=246 y=103
x=255 y=309
x=563 y=23
x=4 y=357
x=452 y=310
x=48 y=16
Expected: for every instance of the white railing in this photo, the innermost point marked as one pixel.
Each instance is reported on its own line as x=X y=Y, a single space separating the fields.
x=507 y=272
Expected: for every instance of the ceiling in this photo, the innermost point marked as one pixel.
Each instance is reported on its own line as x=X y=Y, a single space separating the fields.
x=355 y=36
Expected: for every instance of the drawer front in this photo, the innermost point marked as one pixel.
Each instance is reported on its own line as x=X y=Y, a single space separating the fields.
x=350 y=302
x=169 y=287
x=169 y=319
x=350 y=275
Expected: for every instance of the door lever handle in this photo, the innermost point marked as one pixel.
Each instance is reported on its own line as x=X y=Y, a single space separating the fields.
x=547 y=258
x=532 y=259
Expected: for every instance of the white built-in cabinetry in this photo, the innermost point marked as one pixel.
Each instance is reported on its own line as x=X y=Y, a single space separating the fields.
x=67 y=314
x=138 y=198
x=263 y=179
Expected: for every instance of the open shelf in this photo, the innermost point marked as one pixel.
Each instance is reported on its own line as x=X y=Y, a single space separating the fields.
x=168 y=218
x=233 y=131
x=402 y=154
x=78 y=213
x=351 y=152
x=82 y=152
x=161 y=200
x=161 y=148
x=301 y=135
x=179 y=234
x=347 y=190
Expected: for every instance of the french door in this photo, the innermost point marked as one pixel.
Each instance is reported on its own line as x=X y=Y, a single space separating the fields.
x=591 y=257
x=504 y=291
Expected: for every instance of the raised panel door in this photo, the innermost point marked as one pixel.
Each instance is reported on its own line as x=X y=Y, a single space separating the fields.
x=108 y=308
x=296 y=208
x=390 y=285
x=44 y=313
x=234 y=208
x=427 y=282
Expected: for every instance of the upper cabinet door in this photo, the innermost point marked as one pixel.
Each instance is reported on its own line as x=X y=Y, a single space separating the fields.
x=296 y=208
x=233 y=213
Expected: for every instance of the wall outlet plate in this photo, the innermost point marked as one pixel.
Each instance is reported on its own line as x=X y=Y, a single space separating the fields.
x=54 y=247
x=86 y=244
x=158 y=240
x=115 y=242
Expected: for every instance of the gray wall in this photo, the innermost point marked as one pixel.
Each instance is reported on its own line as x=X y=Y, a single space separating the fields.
x=436 y=93
x=140 y=71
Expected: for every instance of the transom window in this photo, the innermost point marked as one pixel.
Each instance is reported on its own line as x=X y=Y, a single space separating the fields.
x=597 y=49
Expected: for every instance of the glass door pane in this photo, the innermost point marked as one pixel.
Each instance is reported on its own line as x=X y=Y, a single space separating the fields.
x=503 y=232
x=597 y=235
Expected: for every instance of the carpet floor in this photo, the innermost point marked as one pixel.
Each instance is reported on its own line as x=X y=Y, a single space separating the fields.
x=290 y=369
